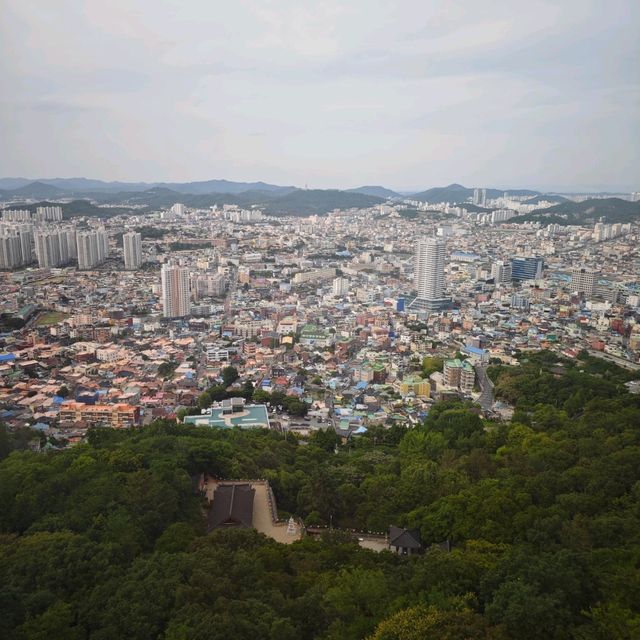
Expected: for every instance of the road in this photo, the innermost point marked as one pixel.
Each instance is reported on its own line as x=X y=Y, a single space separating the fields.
x=331 y=418
x=486 y=386
x=621 y=362
x=372 y=541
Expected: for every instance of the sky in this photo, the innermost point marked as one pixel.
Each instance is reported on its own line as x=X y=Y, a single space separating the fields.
x=332 y=94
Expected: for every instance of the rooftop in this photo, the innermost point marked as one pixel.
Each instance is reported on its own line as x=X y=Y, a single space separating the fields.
x=253 y=416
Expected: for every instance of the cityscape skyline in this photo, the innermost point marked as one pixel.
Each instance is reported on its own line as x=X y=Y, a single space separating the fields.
x=361 y=341
x=344 y=340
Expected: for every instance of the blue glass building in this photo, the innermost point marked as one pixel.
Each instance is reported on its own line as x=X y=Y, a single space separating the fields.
x=526 y=268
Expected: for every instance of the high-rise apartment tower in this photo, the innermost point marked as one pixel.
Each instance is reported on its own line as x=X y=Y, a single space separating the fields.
x=175 y=291
x=429 y=274
x=132 y=246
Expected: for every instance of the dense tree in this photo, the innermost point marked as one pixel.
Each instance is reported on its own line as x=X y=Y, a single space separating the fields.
x=229 y=375
x=107 y=539
x=431 y=365
x=166 y=369
x=430 y=623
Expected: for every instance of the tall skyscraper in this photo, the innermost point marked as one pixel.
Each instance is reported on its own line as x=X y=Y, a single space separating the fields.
x=429 y=274
x=132 y=248
x=176 y=301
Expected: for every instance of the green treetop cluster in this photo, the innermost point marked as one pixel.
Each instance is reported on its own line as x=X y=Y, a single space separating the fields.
x=107 y=539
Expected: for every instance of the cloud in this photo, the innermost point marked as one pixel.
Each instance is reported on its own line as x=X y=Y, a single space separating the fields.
x=413 y=93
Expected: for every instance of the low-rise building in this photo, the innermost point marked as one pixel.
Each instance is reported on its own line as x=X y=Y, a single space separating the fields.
x=117 y=416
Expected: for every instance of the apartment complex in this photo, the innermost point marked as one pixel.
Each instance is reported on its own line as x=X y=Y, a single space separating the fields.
x=117 y=416
x=93 y=248
x=459 y=374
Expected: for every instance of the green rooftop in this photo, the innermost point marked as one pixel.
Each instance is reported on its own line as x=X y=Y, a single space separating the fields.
x=456 y=363
x=253 y=416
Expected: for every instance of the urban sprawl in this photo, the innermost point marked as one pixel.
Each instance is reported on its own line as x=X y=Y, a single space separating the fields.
x=225 y=317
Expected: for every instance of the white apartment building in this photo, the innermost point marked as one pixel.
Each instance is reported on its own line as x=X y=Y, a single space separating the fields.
x=501 y=271
x=16 y=242
x=49 y=214
x=132 y=250
x=314 y=276
x=207 y=285
x=52 y=247
x=429 y=274
x=93 y=248
x=340 y=287
x=16 y=215
x=583 y=281
x=217 y=354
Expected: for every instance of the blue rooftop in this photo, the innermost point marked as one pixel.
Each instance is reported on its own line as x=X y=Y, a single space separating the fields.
x=478 y=352
x=7 y=357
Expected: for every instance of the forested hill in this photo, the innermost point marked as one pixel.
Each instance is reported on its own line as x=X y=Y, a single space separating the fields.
x=106 y=540
x=609 y=210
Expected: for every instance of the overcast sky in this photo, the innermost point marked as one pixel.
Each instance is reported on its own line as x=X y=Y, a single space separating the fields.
x=409 y=94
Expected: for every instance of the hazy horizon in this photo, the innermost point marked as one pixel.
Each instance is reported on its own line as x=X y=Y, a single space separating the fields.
x=410 y=96
x=400 y=190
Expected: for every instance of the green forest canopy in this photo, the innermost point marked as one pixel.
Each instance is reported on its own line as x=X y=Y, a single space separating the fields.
x=106 y=540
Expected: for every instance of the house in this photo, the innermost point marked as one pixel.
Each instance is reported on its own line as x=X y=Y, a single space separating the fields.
x=406 y=542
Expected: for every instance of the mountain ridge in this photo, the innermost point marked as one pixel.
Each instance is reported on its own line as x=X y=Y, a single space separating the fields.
x=375 y=190
x=589 y=211
x=87 y=185
x=459 y=194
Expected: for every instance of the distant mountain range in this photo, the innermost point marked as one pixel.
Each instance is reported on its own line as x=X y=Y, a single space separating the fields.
x=22 y=187
x=34 y=190
x=612 y=210
x=78 y=185
x=273 y=199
